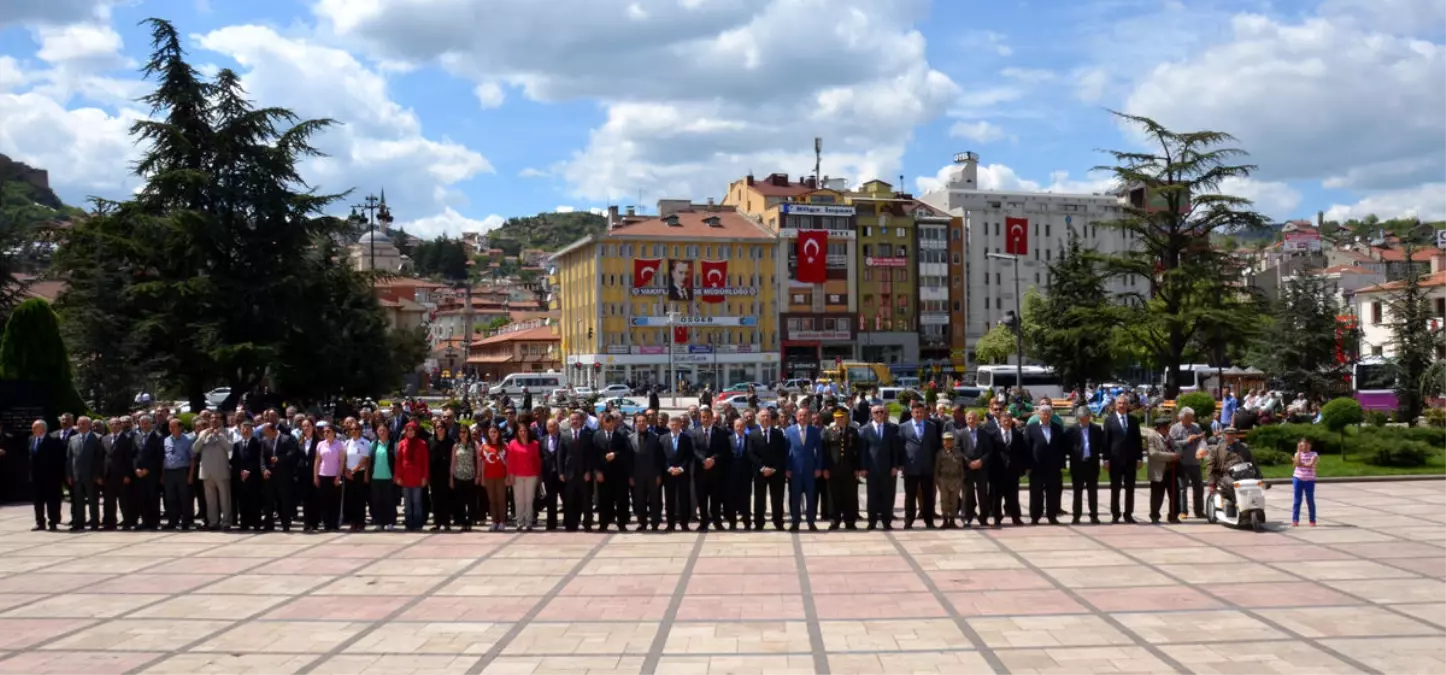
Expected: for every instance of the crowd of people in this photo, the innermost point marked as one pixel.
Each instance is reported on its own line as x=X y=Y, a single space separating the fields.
x=573 y=469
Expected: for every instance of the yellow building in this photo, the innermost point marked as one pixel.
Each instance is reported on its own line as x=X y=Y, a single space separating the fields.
x=887 y=288
x=696 y=278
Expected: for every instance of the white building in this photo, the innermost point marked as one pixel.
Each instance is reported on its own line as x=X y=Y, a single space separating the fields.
x=1373 y=311
x=989 y=283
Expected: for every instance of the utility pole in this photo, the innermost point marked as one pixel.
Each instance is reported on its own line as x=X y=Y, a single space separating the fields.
x=1018 y=322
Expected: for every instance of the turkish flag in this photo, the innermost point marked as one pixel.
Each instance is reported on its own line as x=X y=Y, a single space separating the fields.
x=714 y=274
x=680 y=333
x=1016 y=236
x=813 y=256
x=645 y=271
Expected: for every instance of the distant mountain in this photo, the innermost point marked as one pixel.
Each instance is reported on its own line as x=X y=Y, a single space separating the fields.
x=546 y=231
x=26 y=199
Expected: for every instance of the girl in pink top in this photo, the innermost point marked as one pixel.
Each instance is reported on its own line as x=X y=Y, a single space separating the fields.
x=1304 y=480
x=326 y=476
x=524 y=464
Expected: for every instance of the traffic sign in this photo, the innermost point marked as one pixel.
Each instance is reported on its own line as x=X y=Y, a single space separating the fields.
x=1441 y=238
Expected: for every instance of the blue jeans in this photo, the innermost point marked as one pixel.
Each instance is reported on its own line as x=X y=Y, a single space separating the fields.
x=414 y=516
x=1306 y=487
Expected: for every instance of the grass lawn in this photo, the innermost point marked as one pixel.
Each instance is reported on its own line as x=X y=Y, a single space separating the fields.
x=1331 y=466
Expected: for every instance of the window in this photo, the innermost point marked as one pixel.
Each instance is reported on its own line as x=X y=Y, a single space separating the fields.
x=900 y=232
x=797 y=299
x=868 y=230
x=1046 y=229
x=1376 y=313
x=956 y=258
x=868 y=251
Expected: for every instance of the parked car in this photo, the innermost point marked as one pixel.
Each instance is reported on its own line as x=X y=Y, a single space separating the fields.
x=559 y=397
x=798 y=385
x=217 y=396
x=625 y=406
x=743 y=387
x=615 y=390
x=740 y=401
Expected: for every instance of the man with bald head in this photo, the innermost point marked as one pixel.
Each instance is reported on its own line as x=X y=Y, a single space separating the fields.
x=84 y=473
x=47 y=474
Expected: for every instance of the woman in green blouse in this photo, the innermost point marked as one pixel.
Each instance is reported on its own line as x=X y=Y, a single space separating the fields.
x=380 y=479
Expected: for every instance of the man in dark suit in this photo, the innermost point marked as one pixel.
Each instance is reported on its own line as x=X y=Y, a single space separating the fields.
x=150 y=463
x=575 y=470
x=247 y=462
x=1048 y=449
x=921 y=442
x=550 y=447
x=281 y=459
x=120 y=462
x=975 y=446
x=883 y=454
x=1084 y=464
x=612 y=474
x=47 y=474
x=84 y=473
x=768 y=453
x=710 y=460
x=841 y=444
x=1011 y=459
x=646 y=465
x=678 y=460
x=1123 y=451
x=737 y=471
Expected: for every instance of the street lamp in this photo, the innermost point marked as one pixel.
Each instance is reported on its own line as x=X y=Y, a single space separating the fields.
x=1014 y=320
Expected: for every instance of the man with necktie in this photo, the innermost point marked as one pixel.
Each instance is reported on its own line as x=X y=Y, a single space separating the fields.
x=550 y=442
x=1084 y=464
x=84 y=473
x=120 y=461
x=646 y=466
x=883 y=454
x=921 y=443
x=768 y=453
x=1049 y=448
x=611 y=475
x=575 y=470
x=841 y=445
x=710 y=453
x=806 y=464
x=1011 y=460
x=1123 y=450
x=738 y=477
x=47 y=475
x=678 y=458
x=150 y=463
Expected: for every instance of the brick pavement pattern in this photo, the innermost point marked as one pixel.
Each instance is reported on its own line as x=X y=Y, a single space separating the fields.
x=1364 y=592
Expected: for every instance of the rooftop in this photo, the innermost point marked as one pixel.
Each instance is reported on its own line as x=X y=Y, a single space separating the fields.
x=778 y=185
x=538 y=334
x=1428 y=281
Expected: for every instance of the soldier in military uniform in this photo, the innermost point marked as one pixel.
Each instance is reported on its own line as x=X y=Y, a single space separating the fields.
x=949 y=478
x=841 y=442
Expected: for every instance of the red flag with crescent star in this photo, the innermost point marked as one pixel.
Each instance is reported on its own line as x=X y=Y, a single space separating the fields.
x=714 y=275
x=680 y=333
x=645 y=271
x=813 y=256
x=1016 y=236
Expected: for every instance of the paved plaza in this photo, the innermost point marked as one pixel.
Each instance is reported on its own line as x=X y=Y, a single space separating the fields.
x=1364 y=592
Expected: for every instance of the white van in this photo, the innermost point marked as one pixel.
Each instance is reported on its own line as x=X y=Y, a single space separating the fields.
x=539 y=384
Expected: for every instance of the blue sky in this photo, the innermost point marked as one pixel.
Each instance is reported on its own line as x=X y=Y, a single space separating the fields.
x=467 y=112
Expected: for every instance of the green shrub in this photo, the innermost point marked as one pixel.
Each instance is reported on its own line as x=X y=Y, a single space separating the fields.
x=1201 y=402
x=1270 y=457
x=1283 y=437
x=1429 y=436
x=31 y=349
x=188 y=420
x=1436 y=417
x=1398 y=452
x=1376 y=418
x=931 y=398
x=1339 y=413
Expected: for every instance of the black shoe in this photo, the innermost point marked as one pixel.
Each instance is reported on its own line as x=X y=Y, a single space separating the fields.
x=1130 y=520
x=1174 y=521
x=1154 y=521
x=832 y=526
x=908 y=524
x=812 y=527
x=1033 y=521
x=733 y=527
x=871 y=527
x=851 y=526
x=1114 y=520
x=793 y=527
x=888 y=526
x=77 y=528
x=1074 y=520
x=38 y=528
x=1055 y=521
x=928 y=524
x=1094 y=520
x=1017 y=522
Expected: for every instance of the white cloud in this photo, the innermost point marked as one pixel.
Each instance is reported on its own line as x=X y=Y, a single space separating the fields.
x=531 y=172
x=694 y=94
x=1090 y=84
x=11 y=76
x=1276 y=200
x=51 y=11
x=86 y=150
x=1427 y=202
x=1401 y=17
x=381 y=145
x=988 y=41
x=79 y=42
x=1028 y=75
x=449 y=223
x=1325 y=97
x=490 y=94
x=1004 y=178
x=979 y=132
x=564 y=209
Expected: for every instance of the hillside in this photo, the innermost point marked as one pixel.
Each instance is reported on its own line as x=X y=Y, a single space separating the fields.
x=547 y=231
x=26 y=199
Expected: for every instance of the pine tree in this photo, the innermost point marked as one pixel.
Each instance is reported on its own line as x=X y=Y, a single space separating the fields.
x=1299 y=346
x=1071 y=332
x=1410 y=312
x=31 y=350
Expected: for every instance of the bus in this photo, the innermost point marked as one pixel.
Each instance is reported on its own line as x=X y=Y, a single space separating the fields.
x=1194 y=377
x=851 y=374
x=1373 y=380
x=1039 y=381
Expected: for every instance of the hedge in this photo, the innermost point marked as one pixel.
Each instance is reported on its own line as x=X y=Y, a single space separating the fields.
x=1201 y=402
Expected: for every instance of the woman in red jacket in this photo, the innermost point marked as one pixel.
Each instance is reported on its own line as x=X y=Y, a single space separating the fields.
x=411 y=475
x=492 y=458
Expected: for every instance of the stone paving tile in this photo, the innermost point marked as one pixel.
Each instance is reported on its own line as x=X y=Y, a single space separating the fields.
x=877 y=546
x=67 y=663
x=266 y=584
x=746 y=637
x=370 y=550
x=115 y=565
x=741 y=607
x=1189 y=555
x=82 y=606
x=26 y=633
x=283 y=637
x=1047 y=631
x=1090 y=558
x=1290 y=593
x=1433 y=567
x=836 y=583
x=971 y=561
x=459 y=550
x=775 y=547
x=870 y=563
x=312 y=566
x=892 y=635
x=1288 y=552
x=518 y=585
x=584 y=638
x=530 y=550
x=422 y=567
x=10 y=600
x=878 y=606
x=72 y=549
x=1395 y=655
x=1394 y=590
x=27 y=582
x=1363 y=621
x=1069 y=660
x=605 y=608
x=1395 y=549
x=1325 y=570
x=942 y=663
x=1224 y=574
x=1062 y=542
x=223 y=566
x=231 y=664
x=988 y=580
x=745 y=584
x=9 y=564
x=651 y=584
x=154 y=583
x=1015 y=603
x=203 y=606
x=952 y=547
x=1249 y=658
x=335 y=608
x=1147 y=598
x=737 y=665
x=619 y=549
x=440 y=637
x=1107 y=577
x=1338 y=535
x=142 y=635
x=1432 y=612
x=565 y=665
x=388 y=585
x=524 y=566
x=390 y=664
x=616 y=567
x=737 y=565
x=253 y=549
x=503 y=608
x=1203 y=626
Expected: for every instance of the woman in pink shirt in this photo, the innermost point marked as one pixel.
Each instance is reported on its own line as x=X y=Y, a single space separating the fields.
x=326 y=477
x=524 y=465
